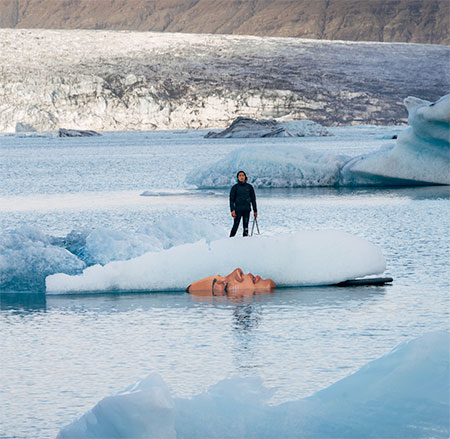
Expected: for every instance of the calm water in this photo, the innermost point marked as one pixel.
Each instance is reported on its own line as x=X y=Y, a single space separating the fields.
x=62 y=354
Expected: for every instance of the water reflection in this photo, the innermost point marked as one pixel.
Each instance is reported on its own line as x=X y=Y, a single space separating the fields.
x=246 y=317
x=23 y=302
x=246 y=310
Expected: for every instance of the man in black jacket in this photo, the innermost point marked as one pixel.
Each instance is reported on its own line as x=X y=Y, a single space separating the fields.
x=241 y=195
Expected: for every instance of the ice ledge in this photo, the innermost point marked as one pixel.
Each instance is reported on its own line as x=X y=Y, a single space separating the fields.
x=404 y=393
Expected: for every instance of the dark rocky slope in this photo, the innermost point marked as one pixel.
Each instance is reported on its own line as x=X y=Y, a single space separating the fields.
x=419 y=21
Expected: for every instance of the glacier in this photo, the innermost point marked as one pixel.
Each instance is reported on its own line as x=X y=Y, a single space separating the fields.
x=112 y=80
x=404 y=393
x=294 y=259
x=420 y=156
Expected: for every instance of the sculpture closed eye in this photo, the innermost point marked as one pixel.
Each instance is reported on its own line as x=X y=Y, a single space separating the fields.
x=236 y=283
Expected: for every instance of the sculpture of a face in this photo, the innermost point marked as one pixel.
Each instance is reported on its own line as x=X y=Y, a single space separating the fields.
x=236 y=283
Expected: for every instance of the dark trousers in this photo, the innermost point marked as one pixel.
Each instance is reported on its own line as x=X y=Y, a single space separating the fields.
x=245 y=215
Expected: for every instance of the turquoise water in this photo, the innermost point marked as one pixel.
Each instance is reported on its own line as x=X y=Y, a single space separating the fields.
x=62 y=354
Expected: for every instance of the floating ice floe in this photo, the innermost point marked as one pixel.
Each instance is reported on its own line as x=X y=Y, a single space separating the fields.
x=271 y=166
x=404 y=393
x=297 y=259
x=421 y=155
x=27 y=255
x=245 y=127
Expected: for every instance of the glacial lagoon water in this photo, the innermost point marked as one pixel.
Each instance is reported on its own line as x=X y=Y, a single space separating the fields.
x=62 y=354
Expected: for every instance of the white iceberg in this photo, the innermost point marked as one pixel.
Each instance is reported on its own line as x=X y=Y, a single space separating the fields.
x=296 y=259
x=405 y=393
x=420 y=156
x=104 y=245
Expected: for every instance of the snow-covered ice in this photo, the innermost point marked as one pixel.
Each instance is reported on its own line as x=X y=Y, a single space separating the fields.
x=404 y=393
x=421 y=155
x=295 y=259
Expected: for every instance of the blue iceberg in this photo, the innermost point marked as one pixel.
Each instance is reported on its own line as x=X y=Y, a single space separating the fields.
x=405 y=393
x=420 y=156
x=28 y=256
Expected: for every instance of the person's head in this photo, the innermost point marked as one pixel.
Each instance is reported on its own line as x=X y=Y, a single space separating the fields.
x=241 y=176
x=236 y=283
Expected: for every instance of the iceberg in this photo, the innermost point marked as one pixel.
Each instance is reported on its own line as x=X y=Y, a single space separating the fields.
x=103 y=245
x=420 y=156
x=271 y=166
x=296 y=259
x=245 y=127
x=143 y=410
x=27 y=256
x=404 y=393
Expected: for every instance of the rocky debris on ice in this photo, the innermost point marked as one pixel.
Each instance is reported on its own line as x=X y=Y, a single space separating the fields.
x=404 y=393
x=62 y=132
x=246 y=127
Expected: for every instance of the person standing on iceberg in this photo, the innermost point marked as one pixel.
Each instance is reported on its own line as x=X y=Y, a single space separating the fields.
x=242 y=195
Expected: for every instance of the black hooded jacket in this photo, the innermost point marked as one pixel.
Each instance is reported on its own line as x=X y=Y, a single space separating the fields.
x=241 y=195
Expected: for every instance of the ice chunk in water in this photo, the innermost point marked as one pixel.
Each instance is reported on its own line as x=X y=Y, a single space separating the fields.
x=303 y=258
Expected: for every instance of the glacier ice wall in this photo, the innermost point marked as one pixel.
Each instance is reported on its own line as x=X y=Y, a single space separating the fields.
x=110 y=80
x=421 y=155
x=404 y=393
x=296 y=259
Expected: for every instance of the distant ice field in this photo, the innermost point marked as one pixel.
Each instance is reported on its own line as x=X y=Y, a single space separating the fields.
x=65 y=353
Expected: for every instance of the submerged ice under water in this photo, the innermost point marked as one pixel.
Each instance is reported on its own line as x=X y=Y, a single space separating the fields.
x=64 y=354
x=377 y=401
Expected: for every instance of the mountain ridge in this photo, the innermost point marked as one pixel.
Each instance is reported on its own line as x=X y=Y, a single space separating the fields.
x=415 y=21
